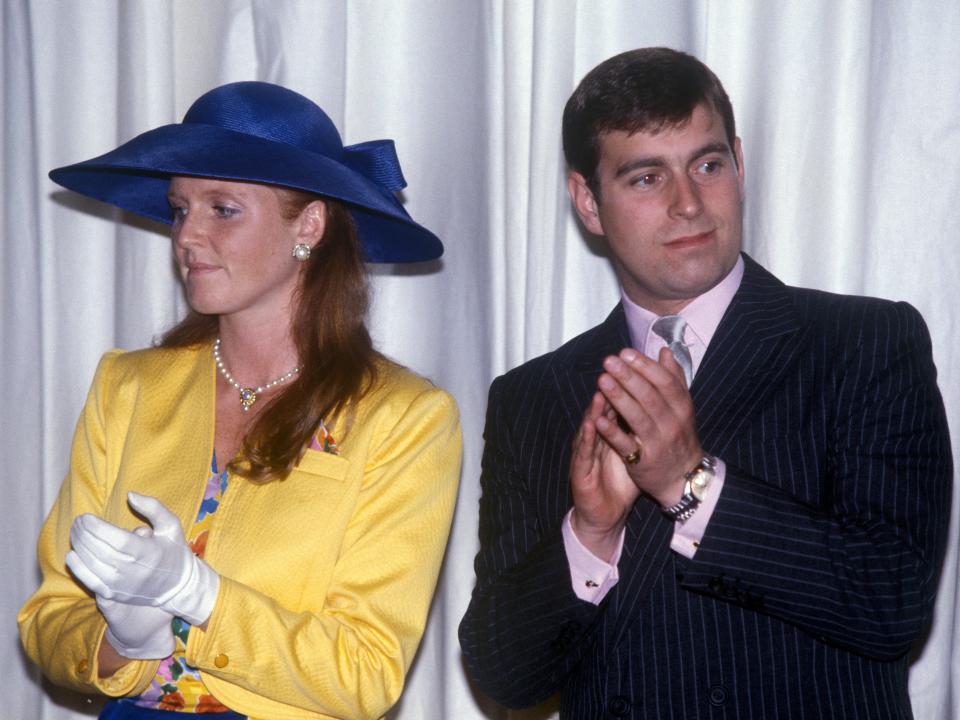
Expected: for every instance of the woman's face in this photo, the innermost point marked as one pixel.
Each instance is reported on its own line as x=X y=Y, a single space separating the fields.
x=234 y=247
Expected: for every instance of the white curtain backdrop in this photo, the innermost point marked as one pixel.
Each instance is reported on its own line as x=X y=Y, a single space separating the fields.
x=850 y=117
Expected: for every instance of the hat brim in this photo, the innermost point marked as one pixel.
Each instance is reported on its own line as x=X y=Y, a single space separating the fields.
x=135 y=177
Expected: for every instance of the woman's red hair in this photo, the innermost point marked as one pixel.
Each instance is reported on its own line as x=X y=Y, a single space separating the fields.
x=337 y=359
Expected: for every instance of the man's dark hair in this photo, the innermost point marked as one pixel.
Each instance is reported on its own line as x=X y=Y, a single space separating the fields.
x=639 y=90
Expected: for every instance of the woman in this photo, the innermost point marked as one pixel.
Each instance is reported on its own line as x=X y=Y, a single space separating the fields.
x=256 y=509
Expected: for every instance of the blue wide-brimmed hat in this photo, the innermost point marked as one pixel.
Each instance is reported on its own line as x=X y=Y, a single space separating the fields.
x=262 y=133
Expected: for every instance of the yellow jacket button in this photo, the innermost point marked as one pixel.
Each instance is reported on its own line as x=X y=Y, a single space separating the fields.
x=83 y=666
x=221 y=660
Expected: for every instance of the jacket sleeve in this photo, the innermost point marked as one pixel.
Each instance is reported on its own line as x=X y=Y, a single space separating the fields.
x=60 y=626
x=858 y=568
x=525 y=627
x=349 y=656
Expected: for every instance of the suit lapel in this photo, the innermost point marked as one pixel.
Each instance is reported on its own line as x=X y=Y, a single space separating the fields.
x=757 y=341
x=578 y=365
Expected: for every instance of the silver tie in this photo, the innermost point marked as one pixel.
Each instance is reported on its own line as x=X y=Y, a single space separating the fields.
x=670 y=328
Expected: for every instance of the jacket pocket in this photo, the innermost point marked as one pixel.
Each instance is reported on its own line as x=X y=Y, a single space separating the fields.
x=317 y=462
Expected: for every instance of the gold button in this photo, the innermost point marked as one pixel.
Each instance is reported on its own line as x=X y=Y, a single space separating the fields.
x=221 y=660
x=83 y=666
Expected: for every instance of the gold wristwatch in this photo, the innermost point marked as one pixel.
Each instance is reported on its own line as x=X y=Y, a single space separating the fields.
x=695 y=485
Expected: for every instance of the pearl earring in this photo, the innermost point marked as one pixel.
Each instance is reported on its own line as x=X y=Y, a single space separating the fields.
x=301 y=252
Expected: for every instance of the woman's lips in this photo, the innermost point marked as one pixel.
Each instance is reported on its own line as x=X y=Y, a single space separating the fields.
x=200 y=268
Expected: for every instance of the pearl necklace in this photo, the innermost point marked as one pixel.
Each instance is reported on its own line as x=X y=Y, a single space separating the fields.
x=248 y=396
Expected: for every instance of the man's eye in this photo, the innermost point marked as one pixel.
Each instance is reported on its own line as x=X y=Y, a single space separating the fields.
x=646 y=180
x=710 y=167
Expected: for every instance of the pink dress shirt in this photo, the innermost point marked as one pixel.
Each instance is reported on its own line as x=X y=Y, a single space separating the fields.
x=592 y=577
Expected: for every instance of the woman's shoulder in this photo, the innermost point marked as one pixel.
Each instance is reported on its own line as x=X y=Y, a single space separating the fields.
x=148 y=365
x=395 y=379
x=400 y=406
x=396 y=388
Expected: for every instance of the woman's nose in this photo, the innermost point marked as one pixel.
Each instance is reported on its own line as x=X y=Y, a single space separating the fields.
x=186 y=230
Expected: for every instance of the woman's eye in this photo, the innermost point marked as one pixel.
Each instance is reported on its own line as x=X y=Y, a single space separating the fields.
x=178 y=212
x=223 y=211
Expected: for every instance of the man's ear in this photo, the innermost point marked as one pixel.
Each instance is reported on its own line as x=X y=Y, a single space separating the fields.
x=584 y=202
x=313 y=222
x=741 y=174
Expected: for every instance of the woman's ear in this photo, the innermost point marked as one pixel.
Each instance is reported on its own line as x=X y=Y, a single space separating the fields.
x=313 y=222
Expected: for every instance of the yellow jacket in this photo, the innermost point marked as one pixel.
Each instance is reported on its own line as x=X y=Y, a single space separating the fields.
x=326 y=576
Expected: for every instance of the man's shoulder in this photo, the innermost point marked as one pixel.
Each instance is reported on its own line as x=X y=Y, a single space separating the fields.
x=836 y=312
x=583 y=350
x=830 y=311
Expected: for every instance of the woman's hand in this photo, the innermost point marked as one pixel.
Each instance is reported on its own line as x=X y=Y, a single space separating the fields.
x=157 y=570
x=137 y=632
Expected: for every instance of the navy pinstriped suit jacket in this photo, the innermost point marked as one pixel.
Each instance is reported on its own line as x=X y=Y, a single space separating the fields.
x=818 y=569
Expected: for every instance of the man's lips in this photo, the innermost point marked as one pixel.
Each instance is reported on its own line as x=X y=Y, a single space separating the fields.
x=691 y=240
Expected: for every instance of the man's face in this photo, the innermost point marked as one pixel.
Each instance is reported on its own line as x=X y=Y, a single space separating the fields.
x=670 y=207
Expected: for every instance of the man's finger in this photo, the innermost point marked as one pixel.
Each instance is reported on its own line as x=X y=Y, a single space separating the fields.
x=636 y=413
x=669 y=363
x=585 y=441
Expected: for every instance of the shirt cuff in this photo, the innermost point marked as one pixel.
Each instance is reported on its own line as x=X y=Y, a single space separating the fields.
x=688 y=533
x=592 y=578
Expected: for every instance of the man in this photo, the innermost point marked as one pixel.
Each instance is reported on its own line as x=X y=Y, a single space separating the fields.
x=730 y=499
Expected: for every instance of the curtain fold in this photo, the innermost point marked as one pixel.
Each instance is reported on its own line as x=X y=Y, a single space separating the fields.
x=850 y=120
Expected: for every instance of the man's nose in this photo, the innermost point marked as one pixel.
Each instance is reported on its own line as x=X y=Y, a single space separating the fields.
x=686 y=201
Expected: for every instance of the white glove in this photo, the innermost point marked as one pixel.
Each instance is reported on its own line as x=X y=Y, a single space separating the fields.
x=138 y=632
x=158 y=571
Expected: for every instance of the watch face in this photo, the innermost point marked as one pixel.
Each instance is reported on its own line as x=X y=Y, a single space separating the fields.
x=700 y=482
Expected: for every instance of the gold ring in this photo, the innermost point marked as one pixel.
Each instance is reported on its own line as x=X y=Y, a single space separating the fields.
x=633 y=457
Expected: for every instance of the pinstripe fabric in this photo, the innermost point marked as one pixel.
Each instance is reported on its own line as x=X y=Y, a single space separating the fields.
x=818 y=568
